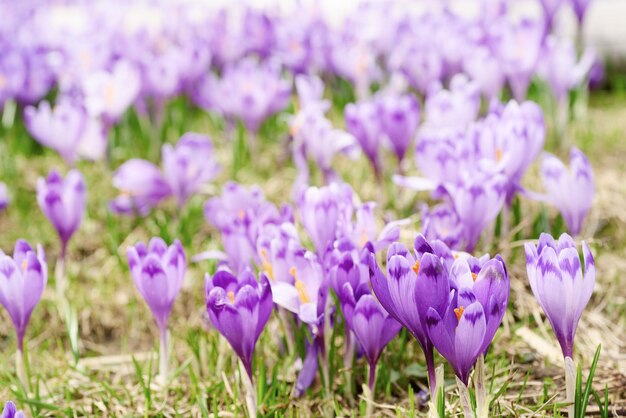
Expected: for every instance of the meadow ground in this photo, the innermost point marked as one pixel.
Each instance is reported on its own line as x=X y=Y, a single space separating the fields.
x=117 y=350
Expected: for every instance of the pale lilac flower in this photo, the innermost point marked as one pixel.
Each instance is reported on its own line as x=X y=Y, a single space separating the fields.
x=141 y=186
x=189 y=165
x=23 y=279
x=442 y=223
x=455 y=107
x=571 y=190
x=399 y=119
x=559 y=285
x=364 y=123
x=63 y=202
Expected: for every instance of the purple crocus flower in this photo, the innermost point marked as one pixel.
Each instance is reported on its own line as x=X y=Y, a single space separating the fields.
x=571 y=190
x=59 y=128
x=559 y=285
x=477 y=305
x=240 y=214
x=580 y=9
x=550 y=9
x=189 y=165
x=399 y=118
x=413 y=284
x=239 y=307
x=442 y=223
x=456 y=107
x=62 y=200
x=477 y=202
x=322 y=210
x=158 y=272
x=141 y=186
x=10 y=411
x=363 y=122
x=23 y=279
x=4 y=196
x=519 y=48
x=373 y=327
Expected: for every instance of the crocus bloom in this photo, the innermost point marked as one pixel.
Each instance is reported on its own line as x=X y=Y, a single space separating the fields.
x=321 y=211
x=442 y=223
x=141 y=186
x=301 y=295
x=373 y=327
x=571 y=190
x=456 y=107
x=559 y=285
x=63 y=202
x=475 y=311
x=580 y=9
x=240 y=214
x=109 y=93
x=400 y=117
x=477 y=202
x=239 y=307
x=10 y=411
x=4 y=196
x=363 y=122
x=23 y=279
x=158 y=272
x=413 y=284
x=60 y=128
x=189 y=165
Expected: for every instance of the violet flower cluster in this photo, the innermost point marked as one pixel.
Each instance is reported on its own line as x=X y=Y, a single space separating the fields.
x=187 y=168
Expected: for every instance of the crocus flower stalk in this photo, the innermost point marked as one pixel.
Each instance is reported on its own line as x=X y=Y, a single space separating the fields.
x=239 y=307
x=23 y=279
x=158 y=272
x=562 y=289
x=414 y=284
x=479 y=297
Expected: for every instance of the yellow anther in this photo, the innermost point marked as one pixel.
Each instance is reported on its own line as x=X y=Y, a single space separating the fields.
x=304 y=297
x=293 y=272
x=242 y=214
x=267 y=267
x=474 y=276
x=498 y=154
x=24 y=264
x=416 y=267
x=459 y=312
x=231 y=296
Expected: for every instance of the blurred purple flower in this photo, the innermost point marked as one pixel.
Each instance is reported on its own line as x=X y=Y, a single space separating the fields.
x=571 y=190
x=240 y=215
x=364 y=123
x=63 y=202
x=60 y=128
x=10 y=411
x=23 y=279
x=141 y=186
x=109 y=93
x=4 y=196
x=322 y=211
x=399 y=118
x=158 y=272
x=251 y=92
x=189 y=165
x=239 y=308
x=455 y=107
x=557 y=281
x=442 y=223
x=580 y=9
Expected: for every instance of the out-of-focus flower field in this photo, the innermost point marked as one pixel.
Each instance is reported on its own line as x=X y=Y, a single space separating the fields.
x=402 y=209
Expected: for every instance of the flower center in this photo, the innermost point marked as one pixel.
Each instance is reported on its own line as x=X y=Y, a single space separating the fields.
x=416 y=267
x=459 y=312
x=304 y=297
x=267 y=267
x=498 y=154
x=474 y=276
x=24 y=264
x=231 y=296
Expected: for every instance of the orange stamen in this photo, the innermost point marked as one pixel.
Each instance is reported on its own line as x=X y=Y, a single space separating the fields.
x=231 y=296
x=459 y=312
x=474 y=276
x=416 y=267
x=304 y=297
x=498 y=154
